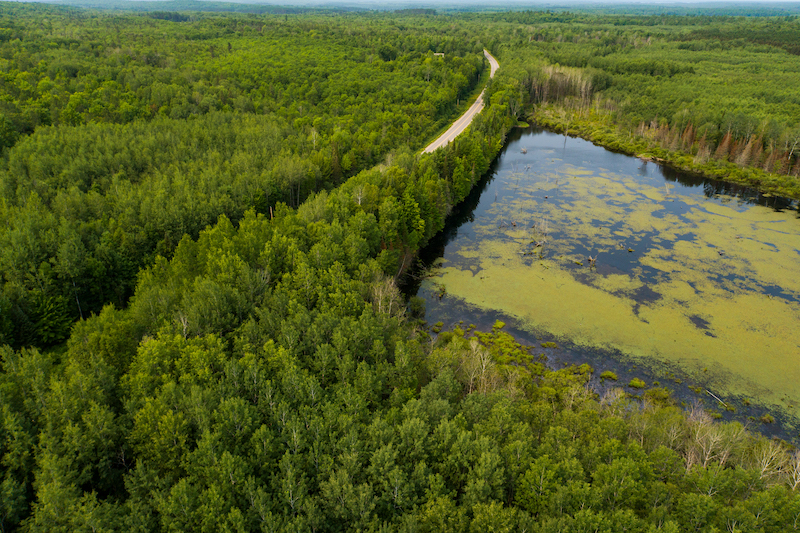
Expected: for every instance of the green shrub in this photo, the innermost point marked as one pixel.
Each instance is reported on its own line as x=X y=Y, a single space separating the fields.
x=659 y=396
x=637 y=383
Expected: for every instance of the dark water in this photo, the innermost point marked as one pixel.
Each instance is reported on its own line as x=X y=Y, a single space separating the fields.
x=677 y=258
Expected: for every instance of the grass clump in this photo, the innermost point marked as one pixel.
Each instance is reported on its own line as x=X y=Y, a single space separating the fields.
x=637 y=383
x=659 y=396
x=608 y=374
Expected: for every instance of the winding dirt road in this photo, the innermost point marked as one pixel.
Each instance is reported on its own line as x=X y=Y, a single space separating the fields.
x=465 y=119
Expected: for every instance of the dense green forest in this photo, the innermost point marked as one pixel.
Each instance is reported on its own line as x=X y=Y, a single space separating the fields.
x=203 y=219
x=713 y=95
x=147 y=130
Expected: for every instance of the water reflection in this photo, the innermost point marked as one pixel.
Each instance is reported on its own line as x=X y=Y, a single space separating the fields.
x=740 y=193
x=614 y=255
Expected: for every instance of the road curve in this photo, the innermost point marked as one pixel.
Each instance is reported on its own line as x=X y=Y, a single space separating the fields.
x=465 y=119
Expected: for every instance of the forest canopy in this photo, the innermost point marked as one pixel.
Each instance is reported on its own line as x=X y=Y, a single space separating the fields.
x=145 y=133
x=202 y=222
x=712 y=95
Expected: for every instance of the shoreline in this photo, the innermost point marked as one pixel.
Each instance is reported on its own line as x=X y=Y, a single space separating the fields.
x=687 y=387
x=605 y=135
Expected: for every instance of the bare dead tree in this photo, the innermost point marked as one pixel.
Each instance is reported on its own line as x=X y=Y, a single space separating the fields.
x=386 y=297
x=184 y=322
x=770 y=459
x=793 y=470
x=709 y=442
x=641 y=421
x=614 y=402
x=488 y=377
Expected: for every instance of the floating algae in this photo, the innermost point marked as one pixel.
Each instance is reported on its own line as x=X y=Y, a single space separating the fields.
x=680 y=273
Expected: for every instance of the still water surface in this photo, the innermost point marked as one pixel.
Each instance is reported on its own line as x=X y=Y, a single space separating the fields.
x=687 y=276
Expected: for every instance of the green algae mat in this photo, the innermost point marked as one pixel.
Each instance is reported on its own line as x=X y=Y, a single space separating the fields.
x=611 y=253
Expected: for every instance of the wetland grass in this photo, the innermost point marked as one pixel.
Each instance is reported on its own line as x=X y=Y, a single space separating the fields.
x=637 y=383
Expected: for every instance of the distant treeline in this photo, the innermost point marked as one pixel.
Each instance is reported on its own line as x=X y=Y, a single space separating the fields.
x=416 y=11
x=718 y=89
x=190 y=6
x=169 y=15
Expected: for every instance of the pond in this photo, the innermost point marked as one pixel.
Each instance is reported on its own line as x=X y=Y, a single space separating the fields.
x=630 y=267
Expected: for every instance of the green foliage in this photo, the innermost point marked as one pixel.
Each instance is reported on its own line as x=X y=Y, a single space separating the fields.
x=264 y=373
x=658 y=395
x=637 y=383
x=142 y=146
x=608 y=375
x=711 y=95
x=600 y=128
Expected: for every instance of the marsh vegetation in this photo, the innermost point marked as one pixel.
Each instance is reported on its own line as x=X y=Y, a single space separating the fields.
x=614 y=254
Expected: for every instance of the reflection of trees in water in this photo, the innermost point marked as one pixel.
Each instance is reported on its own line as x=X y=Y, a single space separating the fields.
x=464 y=212
x=461 y=214
x=448 y=309
x=744 y=194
